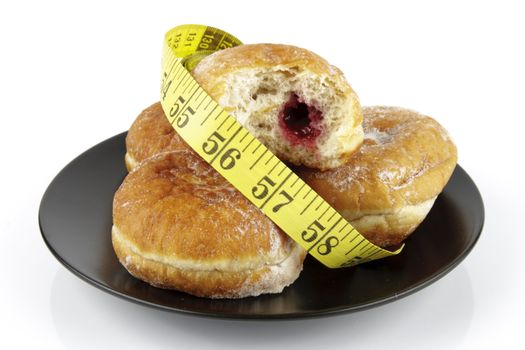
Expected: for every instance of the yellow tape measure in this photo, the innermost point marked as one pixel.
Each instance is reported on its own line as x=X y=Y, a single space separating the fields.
x=245 y=162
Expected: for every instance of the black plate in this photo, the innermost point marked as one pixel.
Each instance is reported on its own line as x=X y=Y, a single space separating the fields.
x=75 y=221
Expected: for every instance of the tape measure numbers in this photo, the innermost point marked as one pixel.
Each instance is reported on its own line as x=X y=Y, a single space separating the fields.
x=245 y=162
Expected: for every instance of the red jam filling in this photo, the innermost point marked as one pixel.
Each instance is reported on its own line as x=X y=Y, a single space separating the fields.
x=300 y=122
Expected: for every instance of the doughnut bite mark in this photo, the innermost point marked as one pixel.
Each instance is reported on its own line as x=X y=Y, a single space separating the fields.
x=290 y=99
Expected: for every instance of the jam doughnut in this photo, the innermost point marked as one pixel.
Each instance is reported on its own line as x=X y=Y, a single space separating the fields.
x=178 y=224
x=388 y=187
x=289 y=98
x=151 y=133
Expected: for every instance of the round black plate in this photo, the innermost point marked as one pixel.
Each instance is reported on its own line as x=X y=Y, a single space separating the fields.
x=75 y=221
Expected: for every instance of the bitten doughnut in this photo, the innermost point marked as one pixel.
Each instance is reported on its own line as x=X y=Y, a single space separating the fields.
x=388 y=187
x=151 y=133
x=178 y=224
x=289 y=98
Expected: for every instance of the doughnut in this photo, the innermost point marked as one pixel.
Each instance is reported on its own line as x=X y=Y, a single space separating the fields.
x=178 y=224
x=151 y=133
x=290 y=99
x=385 y=189
x=388 y=187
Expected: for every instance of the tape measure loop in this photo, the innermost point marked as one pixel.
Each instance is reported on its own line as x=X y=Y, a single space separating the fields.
x=245 y=162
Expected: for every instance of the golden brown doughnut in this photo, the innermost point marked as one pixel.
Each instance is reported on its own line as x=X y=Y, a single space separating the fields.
x=388 y=187
x=289 y=98
x=179 y=224
x=151 y=133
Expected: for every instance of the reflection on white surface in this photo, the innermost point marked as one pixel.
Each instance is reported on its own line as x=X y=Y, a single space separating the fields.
x=436 y=317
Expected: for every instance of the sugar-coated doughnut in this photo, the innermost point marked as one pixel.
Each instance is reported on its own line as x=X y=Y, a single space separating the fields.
x=151 y=133
x=293 y=101
x=178 y=224
x=388 y=187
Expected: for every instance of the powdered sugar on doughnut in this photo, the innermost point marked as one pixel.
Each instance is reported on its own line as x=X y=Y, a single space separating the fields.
x=400 y=146
x=378 y=136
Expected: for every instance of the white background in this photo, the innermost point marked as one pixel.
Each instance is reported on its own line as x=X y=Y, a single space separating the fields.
x=73 y=74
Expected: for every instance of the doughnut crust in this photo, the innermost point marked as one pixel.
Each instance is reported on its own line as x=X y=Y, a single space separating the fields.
x=151 y=133
x=178 y=224
x=388 y=187
x=289 y=98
